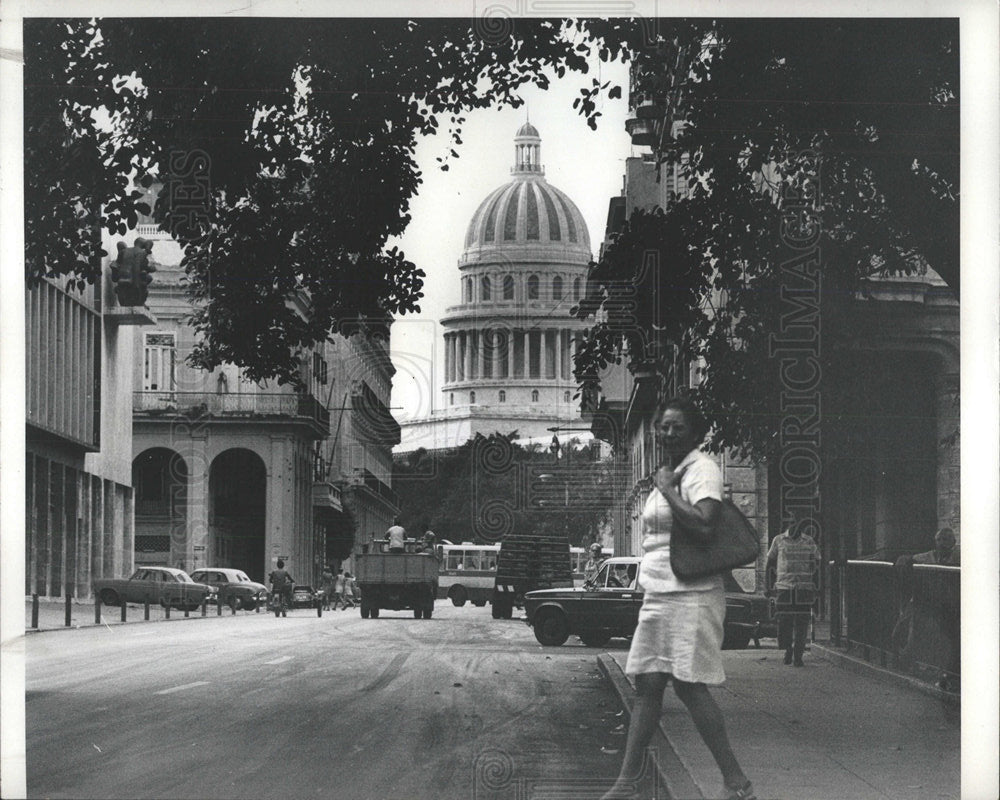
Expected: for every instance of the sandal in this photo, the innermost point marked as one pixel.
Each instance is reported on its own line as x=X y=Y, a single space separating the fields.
x=744 y=793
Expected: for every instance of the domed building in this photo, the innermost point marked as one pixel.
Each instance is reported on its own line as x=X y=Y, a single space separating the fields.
x=509 y=344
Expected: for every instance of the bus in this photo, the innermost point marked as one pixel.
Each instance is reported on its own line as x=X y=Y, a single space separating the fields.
x=467 y=572
x=579 y=557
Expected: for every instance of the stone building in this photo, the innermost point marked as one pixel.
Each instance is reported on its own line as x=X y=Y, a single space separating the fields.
x=238 y=474
x=509 y=344
x=885 y=460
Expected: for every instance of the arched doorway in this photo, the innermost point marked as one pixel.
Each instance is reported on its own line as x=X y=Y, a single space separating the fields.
x=159 y=478
x=237 y=486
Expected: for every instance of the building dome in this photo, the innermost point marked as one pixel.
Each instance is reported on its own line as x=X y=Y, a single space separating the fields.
x=527 y=129
x=528 y=210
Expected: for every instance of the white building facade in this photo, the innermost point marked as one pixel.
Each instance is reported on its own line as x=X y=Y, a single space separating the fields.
x=509 y=344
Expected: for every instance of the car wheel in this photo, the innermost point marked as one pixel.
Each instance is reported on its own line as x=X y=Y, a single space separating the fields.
x=551 y=627
x=249 y=604
x=458 y=596
x=594 y=639
x=109 y=597
x=736 y=640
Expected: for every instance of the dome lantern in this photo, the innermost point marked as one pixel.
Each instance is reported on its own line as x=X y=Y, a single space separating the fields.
x=527 y=151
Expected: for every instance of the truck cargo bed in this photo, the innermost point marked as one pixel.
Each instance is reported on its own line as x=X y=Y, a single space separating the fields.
x=395 y=568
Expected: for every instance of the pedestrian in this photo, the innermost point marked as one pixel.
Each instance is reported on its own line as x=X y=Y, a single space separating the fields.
x=793 y=576
x=678 y=638
x=347 y=596
x=338 y=588
x=397 y=537
x=281 y=587
x=326 y=585
x=593 y=565
x=945 y=553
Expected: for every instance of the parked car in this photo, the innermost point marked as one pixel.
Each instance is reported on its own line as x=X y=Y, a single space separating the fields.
x=163 y=585
x=233 y=587
x=303 y=597
x=609 y=605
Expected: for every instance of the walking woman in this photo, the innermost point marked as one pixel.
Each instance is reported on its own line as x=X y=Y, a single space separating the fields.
x=679 y=635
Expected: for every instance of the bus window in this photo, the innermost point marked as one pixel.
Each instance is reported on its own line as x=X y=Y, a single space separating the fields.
x=471 y=559
x=455 y=559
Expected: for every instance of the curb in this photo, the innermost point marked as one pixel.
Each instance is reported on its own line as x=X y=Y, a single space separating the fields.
x=862 y=667
x=116 y=622
x=671 y=772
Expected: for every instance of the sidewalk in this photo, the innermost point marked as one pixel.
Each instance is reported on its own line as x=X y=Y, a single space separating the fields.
x=52 y=614
x=820 y=732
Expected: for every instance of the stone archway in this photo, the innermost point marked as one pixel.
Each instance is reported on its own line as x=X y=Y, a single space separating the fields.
x=237 y=487
x=160 y=478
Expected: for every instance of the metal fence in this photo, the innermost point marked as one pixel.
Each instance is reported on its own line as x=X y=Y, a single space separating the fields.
x=904 y=616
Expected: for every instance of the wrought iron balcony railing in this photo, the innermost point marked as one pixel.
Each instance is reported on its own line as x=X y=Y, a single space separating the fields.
x=230 y=406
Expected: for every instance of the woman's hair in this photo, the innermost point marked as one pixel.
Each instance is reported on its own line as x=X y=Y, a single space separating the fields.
x=690 y=411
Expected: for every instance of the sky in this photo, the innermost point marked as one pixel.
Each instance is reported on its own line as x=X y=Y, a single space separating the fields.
x=587 y=165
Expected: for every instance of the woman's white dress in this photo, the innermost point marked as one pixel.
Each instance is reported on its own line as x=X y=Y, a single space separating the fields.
x=680 y=622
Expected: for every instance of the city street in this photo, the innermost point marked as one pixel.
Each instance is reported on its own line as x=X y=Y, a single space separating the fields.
x=252 y=706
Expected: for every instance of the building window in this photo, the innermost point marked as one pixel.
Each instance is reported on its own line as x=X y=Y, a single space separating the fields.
x=576 y=288
x=503 y=396
x=486 y=289
x=451 y=399
x=508 y=287
x=566 y=396
x=320 y=368
x=158 y=362
x=472 y=398
x=557 y=289
x=533 y=287
x=534 y=395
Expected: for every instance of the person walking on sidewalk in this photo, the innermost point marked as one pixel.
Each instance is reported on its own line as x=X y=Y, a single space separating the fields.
x=793 y=571
x=679 y=635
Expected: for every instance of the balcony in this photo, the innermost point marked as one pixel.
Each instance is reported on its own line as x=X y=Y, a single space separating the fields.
x=206 y=406
x=326 y=495
x=642 y=131
x=371 y=417
x=366 y=480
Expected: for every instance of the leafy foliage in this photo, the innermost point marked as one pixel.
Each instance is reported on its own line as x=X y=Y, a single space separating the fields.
x=286 y=152
x=815 y=155
x=458 y=493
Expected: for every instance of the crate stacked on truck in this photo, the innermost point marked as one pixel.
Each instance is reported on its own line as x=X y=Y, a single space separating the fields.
x=527 y=562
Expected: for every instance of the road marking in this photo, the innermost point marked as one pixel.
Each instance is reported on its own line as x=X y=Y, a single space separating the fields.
x=173 y=689
x=280 y=660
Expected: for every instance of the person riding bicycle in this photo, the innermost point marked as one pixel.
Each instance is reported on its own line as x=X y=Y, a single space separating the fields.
x=281 y=586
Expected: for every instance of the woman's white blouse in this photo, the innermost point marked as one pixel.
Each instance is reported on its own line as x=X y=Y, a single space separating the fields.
x=701 y=478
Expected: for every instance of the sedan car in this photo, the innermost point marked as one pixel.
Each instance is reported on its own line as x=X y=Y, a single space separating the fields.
x=163 y=585
x=609 y=606
x=303 y=597
x=233 y=587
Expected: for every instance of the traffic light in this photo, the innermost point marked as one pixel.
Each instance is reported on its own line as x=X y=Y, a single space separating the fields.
x=130 y=272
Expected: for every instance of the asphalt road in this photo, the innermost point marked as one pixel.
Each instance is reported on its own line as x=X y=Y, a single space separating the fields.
x=460 y=706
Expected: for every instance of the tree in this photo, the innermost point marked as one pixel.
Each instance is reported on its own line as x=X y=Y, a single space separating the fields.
x=285 y=151
x=818 y=154
x=491 y=486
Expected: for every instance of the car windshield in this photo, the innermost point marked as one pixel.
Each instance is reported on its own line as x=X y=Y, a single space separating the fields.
x=183 y=577
x=242 y=577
